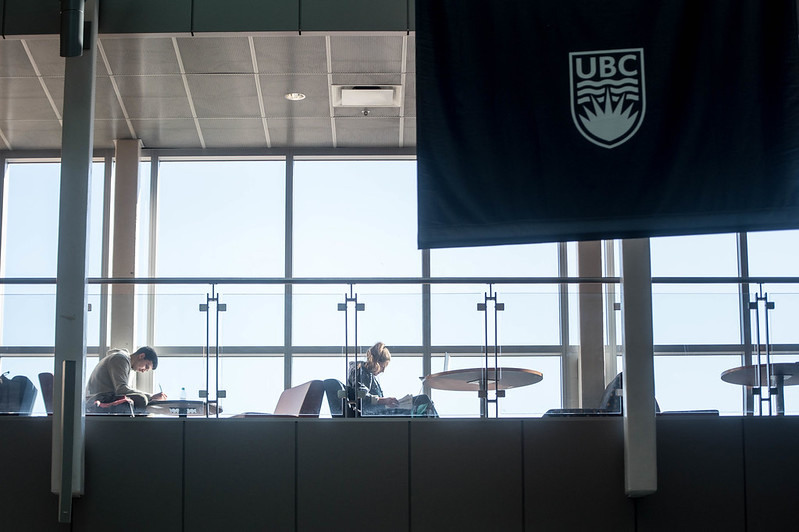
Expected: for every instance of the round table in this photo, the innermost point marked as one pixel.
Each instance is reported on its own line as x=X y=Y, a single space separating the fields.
x=481 y=380
x=782 y=374
x=180 y=408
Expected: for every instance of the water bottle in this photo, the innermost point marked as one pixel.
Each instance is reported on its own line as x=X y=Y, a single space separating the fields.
x=183 y=393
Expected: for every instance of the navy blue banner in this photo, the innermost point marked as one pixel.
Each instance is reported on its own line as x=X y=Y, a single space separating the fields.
x=557 y=120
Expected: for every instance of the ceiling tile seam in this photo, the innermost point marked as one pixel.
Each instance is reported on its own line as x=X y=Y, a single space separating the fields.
x=403 y=70
x=188 y=91
x=329 y=55
x=41 y=80
x=115 y=86
x=5 y=140
x=258 y=89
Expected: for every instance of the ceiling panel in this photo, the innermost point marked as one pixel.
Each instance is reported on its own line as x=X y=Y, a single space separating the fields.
x=314 y=87
x=46 y=54
x=32 y=134
x=24 y=99
x=224 y=95
x=366 y=53
x=141 y=56
x=174 y=133
x=106 y=103
x=300 y=133
x=13 y=60
x=238 y=133
x=106 y=131
x=219 y=55
x=154 y=96
x=223 y=86
x=410 y=95
x=409 y=132
x=367 y=132
x=292 y=54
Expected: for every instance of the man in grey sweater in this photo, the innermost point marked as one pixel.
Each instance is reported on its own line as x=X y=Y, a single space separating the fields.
x=109 y=380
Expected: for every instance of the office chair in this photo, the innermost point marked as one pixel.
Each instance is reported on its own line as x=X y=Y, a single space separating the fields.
x=335 y=392
x=46 y=385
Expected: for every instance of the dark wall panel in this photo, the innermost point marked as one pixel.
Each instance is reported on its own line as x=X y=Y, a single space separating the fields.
x=466 y=475
x=134 y=476
x=700 y=477
x=557 y=451
x=353 y=475
x=25 y=499
x=239 y=475
x=772 y=472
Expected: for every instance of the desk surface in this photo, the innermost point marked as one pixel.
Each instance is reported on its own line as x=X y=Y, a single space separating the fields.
x=467 y=380
x=747 y=375
x=177 y=407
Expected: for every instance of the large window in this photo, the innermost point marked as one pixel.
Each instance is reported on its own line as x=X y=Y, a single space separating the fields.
x=338 y=229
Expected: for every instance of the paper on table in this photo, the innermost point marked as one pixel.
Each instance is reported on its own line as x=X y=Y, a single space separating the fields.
x=405 y=402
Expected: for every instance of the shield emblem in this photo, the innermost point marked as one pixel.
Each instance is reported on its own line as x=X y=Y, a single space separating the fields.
x=608 y=94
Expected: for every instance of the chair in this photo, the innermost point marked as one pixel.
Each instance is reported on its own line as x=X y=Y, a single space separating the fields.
x=46 y=385
x=335 y=392
x=304 y=400
x=609 y=403
x=17 y=395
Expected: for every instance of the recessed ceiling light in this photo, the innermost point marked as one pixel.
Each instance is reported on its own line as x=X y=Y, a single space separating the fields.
x=294 y=96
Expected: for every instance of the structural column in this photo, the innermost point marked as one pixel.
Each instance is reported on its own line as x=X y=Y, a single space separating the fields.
x=71 y=300
x=123 y=236
x=592 y=338
x=640 y=452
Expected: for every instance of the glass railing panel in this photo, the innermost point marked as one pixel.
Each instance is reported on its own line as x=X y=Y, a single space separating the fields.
x=693 y=382
x=783 y=317
x=28 y=315
x=695 y=314
x=253 y=315
x=392 y=314
x=30 y=367
x=178 y=320
x=531 y=315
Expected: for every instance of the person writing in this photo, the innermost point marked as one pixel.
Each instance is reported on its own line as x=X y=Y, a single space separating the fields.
x=363 y=379
x=110 y=379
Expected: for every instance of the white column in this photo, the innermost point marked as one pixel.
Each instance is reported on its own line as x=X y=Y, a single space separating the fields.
x=592 y=338
x=71 y=301
x=123 y=237
x=640 y=456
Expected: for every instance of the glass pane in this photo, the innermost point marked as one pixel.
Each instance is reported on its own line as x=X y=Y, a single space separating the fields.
x=695 y=314
x=252 y=384
x=531 y=315
x=221 y=218
x=392 y=314
x=355 y=219
x=30 y=367
x=694 y=383
x=773 y=253
x=695 y=256
x=783 y=317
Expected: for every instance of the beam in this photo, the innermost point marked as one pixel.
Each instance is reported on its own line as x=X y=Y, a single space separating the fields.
x=41 y=17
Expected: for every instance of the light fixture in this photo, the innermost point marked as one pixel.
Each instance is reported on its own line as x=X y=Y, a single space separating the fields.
x=294 y=96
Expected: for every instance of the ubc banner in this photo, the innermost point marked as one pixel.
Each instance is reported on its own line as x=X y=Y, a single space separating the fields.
x=545 y=120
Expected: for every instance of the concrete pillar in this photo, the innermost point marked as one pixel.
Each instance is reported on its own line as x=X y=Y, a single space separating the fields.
x=640 y=451
x=592 y=338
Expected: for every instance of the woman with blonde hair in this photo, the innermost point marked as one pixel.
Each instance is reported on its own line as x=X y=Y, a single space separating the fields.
x=363 y=379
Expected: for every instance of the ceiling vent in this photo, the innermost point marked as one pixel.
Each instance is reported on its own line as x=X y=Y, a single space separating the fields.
x=367 y=95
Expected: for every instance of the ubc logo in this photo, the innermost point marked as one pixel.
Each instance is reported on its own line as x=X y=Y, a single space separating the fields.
x=608 y=99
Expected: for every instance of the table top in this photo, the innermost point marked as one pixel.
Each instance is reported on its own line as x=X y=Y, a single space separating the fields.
x=174 y=407
x=467 y=380
x=747 y=375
